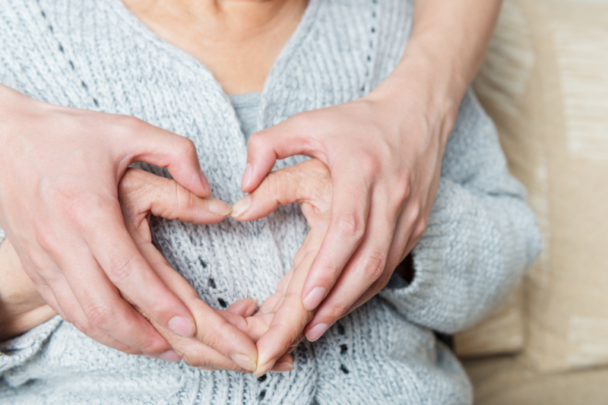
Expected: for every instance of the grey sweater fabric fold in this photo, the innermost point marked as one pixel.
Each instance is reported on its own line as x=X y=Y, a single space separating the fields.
x=480 y=238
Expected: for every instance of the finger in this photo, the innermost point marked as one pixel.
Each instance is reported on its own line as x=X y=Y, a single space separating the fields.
x=288 y=323
x=125 y=267
x=278 y=188
x=283 y=364
x=244 y=308
x=150 y=144
x=408 y=231
x=212 y=328
x=198 y=354
x=141 y=192
x=70 y=309
x=253 y=326
x=306 y=181
x=288 y=138
x=349 y=218
x=366 y=270
x=75 y=315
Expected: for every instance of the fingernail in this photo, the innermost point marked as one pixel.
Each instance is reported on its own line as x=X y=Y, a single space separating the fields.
x=181 y=326
x=283 y=367
x=241 y=206
x=244 y=361
x=315 y=333
x=246 y=177
x=170 y=355
x=205 y=182
x=314 y=298
x=218 y=206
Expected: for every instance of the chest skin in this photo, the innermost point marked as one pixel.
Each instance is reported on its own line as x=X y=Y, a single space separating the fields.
x=237 y=41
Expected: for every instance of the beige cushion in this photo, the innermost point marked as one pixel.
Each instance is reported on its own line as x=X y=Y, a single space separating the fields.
x=545 y=83
x=509 y=380
x=501 y=84
x=568 y=114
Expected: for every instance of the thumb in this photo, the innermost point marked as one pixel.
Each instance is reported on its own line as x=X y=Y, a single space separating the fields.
x=306 y=181
x=293 y=136
x=278 y=188
x=156 y=146
x=141 y=192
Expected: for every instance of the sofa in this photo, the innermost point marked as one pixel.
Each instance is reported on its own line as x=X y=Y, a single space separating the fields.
x=544 y=81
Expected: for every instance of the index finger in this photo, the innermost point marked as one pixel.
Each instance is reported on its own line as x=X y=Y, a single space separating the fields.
x=349 y=214
x=128 y=270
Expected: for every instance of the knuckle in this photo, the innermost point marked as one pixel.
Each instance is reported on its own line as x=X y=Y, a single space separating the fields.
x=351 y=226
x=195 y=358
x=185 y=146
x=45 y=237
x=368 y=164
x=415 y=209
x=337 y=311
x=147 y=344
x=401 y=190
x=380 y=283
x=129 y=125
x=119 y=268
x=256 y=140
x=304 y=120
x=86 y=328
x=373 y=267
x=100 y=315
x=420 y=229
x=129 y=180
x=184 y=200
x=216 y=336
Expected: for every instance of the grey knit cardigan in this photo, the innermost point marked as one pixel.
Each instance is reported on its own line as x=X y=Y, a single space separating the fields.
x=480 y=238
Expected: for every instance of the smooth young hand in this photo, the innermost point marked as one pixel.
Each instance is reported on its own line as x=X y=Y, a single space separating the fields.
x=58 y=191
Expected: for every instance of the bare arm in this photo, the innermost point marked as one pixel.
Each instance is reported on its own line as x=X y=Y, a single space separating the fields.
x=443 y=56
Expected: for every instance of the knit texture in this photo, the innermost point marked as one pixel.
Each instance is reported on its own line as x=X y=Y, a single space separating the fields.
x=480 y=238
x=247 y=108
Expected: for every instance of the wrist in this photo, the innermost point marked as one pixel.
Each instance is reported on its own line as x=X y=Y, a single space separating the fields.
x=418 y=87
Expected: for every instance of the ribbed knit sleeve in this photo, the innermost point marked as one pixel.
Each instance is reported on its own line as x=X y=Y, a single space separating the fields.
x=481 y=234
x=16 y=351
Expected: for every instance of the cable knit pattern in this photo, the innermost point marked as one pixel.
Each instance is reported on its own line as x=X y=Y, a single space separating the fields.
x=481 y=235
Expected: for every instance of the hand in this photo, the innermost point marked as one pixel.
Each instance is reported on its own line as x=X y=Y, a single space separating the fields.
x=21 y=307
x=384 y=158
x=58 y=194
x=282 y=317
x=141 y=194
x=217 y=344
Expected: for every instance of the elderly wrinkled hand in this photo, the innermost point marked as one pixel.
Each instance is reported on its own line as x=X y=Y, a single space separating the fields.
x=279 y=324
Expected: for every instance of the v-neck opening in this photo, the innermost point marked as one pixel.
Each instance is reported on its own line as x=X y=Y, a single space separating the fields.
x=290 y=46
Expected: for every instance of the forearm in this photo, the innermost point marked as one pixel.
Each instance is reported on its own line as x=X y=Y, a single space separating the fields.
x=446 y=48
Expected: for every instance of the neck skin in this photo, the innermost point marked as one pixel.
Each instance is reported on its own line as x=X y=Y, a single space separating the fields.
x=237 y=40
